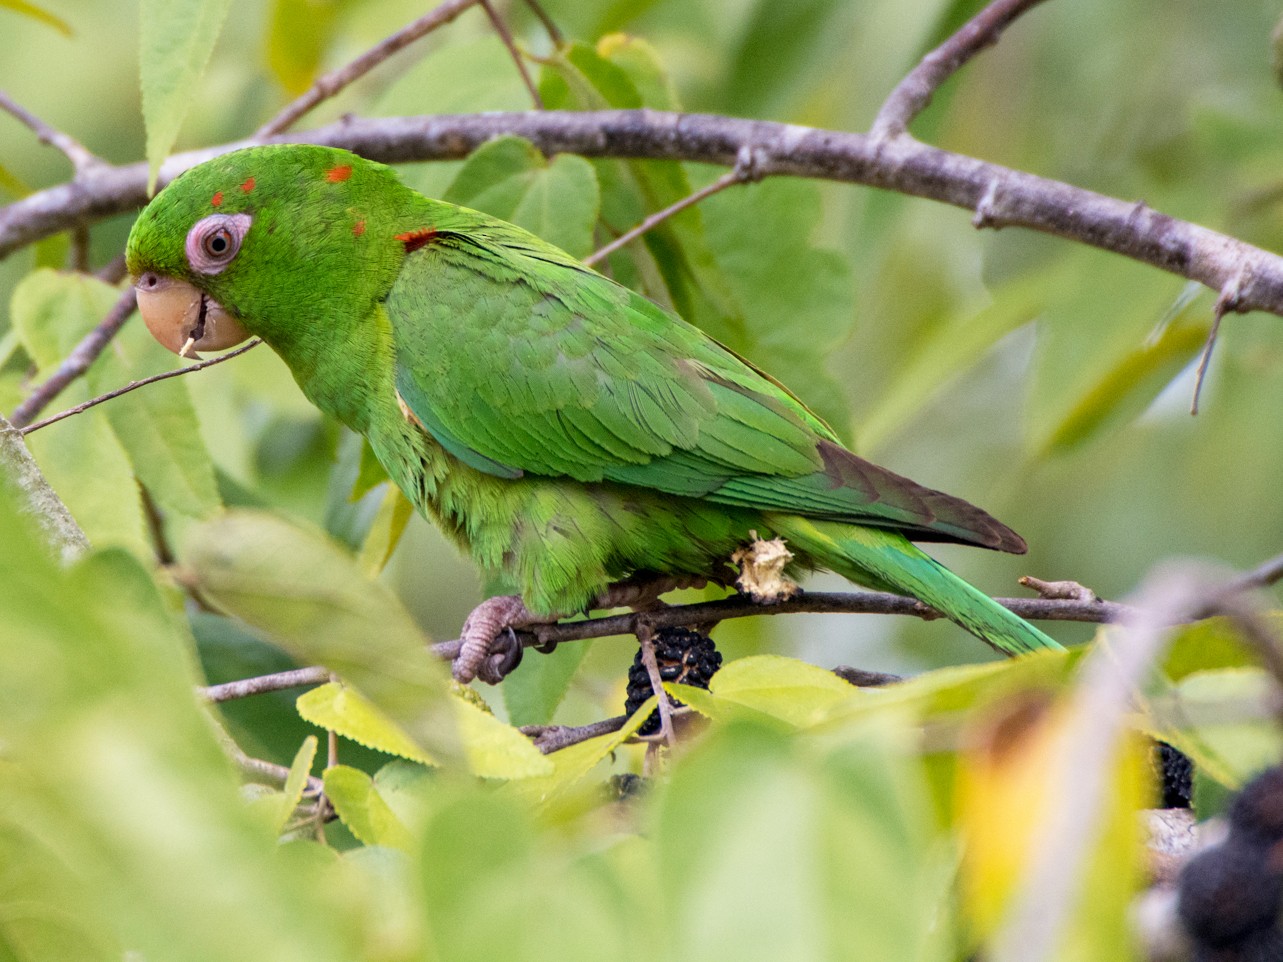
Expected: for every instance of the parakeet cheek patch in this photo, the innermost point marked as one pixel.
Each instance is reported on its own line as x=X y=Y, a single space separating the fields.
x=215 y=241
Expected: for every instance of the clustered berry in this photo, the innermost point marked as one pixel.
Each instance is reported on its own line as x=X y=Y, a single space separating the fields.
x=1175 y=774
x=1230 y=894
x=684 y=656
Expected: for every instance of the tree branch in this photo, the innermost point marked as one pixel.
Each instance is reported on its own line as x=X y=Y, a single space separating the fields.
x=736 y=606
x=913 y=94
x=36 y=498
x=261 y=684
x=81 y=157
x=1010 y=198
x=553 y=738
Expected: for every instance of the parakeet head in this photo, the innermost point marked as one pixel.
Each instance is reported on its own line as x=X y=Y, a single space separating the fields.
x=268 y=241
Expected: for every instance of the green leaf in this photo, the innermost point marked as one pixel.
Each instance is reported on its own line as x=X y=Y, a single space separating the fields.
x=673 y=264
x=557 y=200
x=785 y=277
x=743 y=805
x=279 y=806
x=784 y=688
x=950 y=691
x=157 y=424
x=1210 y=644
x=1126 y=388
x=12 y=184
x=178 y=38
x=38 y=13
x=572 y=764
x=339 y=709
x=81 y=456
x=492 y=749
x=533 y=694
x=298 y=36
x=363 y=810
x=395 y=511
x=304 y=592
x=120 y=814
x=1224 y=720
x=496 y=750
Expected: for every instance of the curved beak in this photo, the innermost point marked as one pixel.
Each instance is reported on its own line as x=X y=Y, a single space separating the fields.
x=183 y=318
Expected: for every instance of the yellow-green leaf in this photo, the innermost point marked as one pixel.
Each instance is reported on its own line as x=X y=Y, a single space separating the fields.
x=491 y=748
x=338 y=708
x=310 y=596
x=395 y=511
x=785 y=688
x=178 y=37
x=278 y=806
x=571 y=764
x=300 y=32
x=496 y=750
x=38 y=13
x=363 y=810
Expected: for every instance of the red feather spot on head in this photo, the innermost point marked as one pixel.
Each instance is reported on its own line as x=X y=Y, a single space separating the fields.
x=336 y=175
x=248 y=185
x=216 y=199
x=414 y=239
x=358 y=228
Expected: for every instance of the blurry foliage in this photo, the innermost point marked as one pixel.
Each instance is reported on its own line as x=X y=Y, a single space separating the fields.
x=811 y=819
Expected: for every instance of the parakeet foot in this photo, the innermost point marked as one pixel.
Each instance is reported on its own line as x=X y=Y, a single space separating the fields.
x=490 y=648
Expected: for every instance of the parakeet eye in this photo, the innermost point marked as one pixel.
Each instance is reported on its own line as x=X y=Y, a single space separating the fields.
x=215 y=241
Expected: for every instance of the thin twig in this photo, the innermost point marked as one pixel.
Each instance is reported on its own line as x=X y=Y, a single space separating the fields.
x=505 y=35
x=331 y=83
x=553 y=738
x=81 y=157
x=912 y=94
x=1262 y=576
x=277 y=681
x=135 y=385
x=1227 y=300
x=78 y=361
x=646 y=638
x=554 y=34
x=264 y=769
x=113 y=272
x=730 y=178
x=80 y=249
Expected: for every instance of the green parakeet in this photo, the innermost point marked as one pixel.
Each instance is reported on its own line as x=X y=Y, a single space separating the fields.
x=567 y=432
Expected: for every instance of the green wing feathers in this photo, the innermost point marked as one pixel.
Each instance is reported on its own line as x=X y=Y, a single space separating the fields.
x=519 y=361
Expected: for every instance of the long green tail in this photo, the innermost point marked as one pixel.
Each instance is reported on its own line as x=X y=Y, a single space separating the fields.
x=886 y=560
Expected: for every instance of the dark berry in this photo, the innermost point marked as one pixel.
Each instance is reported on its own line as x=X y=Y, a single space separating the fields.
x=683 y=656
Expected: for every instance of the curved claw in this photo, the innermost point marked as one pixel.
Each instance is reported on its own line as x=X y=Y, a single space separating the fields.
x=505 y=655
x=490 y=647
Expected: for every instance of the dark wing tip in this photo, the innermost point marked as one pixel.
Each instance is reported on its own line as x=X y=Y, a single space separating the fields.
x=924 y=513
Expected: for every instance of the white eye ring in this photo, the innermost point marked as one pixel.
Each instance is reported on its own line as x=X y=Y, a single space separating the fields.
x=215 y=241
